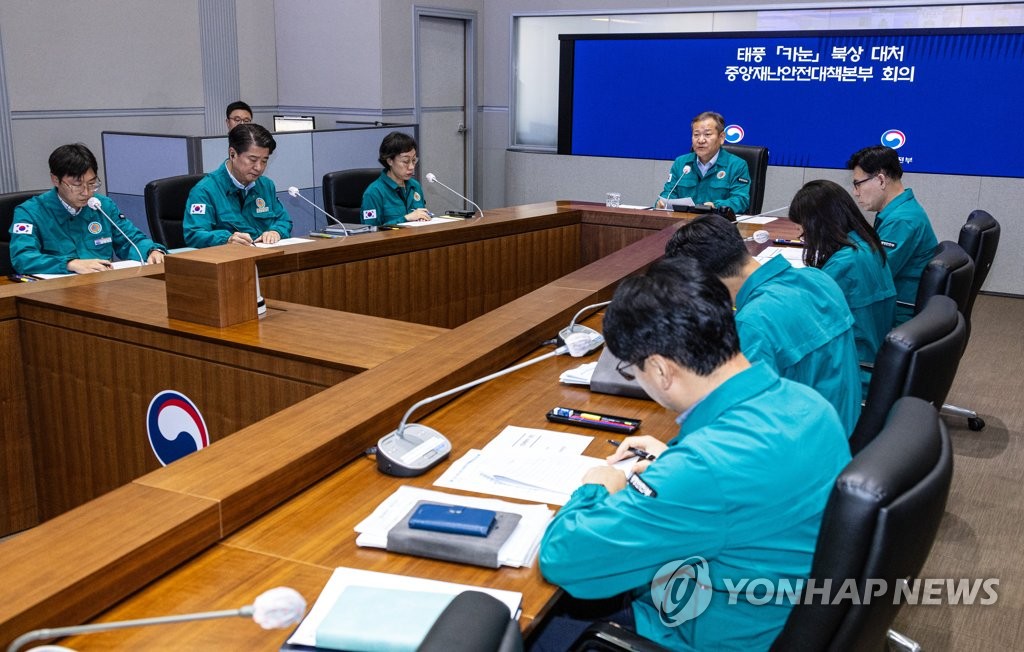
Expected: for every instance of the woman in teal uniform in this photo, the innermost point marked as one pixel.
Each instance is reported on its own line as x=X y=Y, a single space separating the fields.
x=840 y=242
x=395 y=196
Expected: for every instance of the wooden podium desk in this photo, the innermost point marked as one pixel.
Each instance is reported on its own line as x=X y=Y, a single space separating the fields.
x=275 y=502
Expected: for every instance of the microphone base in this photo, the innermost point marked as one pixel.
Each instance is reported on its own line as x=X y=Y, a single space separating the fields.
x=596 y=339
x=415 y=452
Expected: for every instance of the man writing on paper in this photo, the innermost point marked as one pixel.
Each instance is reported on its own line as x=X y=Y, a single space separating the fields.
x=236 y=203
x=58 y=233
x=708 y=175
x=742 y=487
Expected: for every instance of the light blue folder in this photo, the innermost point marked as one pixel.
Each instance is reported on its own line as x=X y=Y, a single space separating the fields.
x=368 y=619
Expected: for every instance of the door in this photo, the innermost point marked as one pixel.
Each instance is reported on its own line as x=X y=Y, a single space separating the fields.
x=444 y=105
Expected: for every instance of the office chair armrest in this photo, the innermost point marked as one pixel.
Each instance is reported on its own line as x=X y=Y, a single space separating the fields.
x=607 y=637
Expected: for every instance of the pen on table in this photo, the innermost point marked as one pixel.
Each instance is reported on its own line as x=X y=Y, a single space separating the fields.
x=787 y=243
x=642 y=454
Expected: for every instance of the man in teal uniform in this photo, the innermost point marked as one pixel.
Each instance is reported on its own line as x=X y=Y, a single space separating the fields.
x=58 y=233
x=795 y=320
x=709 y=175
x=737 y=495
x=236 y=203
x=395 y=196
x=901 y=222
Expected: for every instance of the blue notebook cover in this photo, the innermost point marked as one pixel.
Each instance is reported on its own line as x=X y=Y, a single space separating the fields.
x=369 y=619
x=454 y=519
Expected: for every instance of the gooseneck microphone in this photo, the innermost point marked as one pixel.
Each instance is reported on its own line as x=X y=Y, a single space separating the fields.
x=414 y=449
x=596 y=339
x=95 y=204
x=432 y=178
x=671 y=190
x=764 y=214
x=274 y=609
x=294 y=192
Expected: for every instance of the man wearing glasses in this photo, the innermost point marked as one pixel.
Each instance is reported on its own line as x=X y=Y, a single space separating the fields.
x=740 y=490
x=395 y=196
x=901 y=222
x=58 y=233
x=237 y=113
x=235 y=203
x=708 y=175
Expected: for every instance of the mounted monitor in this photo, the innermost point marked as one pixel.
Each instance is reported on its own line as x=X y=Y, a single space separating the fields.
x=949 y=101
x=294 y=123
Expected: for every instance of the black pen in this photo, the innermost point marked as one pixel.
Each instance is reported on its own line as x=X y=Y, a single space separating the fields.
x=642 y=454
x=788 y=243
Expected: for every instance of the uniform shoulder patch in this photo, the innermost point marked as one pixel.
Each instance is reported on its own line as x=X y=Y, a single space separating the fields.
x=22 y=227
x=370 y=214
x=888 y=245
x=197 y=209
x=742 y=180
x=638 y=483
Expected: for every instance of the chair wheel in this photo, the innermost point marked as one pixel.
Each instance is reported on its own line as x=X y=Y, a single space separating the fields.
x=975 y=423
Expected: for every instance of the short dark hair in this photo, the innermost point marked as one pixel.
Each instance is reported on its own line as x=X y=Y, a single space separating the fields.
x=243 y=136
x=394 y=144
x=827 y=214
x=676 y=310
x=875 y=159
x=717 y=117
x=72 y=161
x=234 y=106
x=713 y=242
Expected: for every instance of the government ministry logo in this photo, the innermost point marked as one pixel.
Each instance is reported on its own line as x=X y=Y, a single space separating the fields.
x=681 y=590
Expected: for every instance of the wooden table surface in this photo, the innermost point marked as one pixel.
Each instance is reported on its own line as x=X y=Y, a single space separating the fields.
x=275 y=503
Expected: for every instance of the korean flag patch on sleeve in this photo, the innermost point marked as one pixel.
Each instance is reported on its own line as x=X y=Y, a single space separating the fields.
x=370 y=215
x=197 y=209
x=22 y=227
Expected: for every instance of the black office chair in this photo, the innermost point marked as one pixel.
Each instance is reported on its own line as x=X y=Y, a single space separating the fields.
x=757 y=161
x=917 y=358
x=8 y=202
x=473 y=622
x=165 y=208
x=879 y=524
x=343 y=192
x=950 y=273
x=979 y=237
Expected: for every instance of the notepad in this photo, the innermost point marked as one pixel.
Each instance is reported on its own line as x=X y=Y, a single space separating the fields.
x=376 y=619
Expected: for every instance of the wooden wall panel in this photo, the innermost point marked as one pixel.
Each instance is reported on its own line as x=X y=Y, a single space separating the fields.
x=98 y=390
x=445 y=285
x=17 y=481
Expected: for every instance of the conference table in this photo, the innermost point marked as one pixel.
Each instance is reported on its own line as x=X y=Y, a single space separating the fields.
x=358 y=330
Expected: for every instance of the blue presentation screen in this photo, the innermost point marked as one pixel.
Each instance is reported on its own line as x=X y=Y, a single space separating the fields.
x=949 y=101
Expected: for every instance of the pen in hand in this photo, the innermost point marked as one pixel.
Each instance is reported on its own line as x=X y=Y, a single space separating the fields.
x=642 y=454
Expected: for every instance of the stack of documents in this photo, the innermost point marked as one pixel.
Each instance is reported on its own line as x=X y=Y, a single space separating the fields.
x=795 y=255
x=526 y=463
x=519 y=550
x=389 y=619
x=579 y=375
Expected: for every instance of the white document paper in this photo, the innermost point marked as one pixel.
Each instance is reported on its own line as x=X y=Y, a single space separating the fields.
x=795 y=255
x=519 y=551
x=580 y=375
x=542 y=466
x=438 y=219
x=755 y=219
x=343 y=577
x=282 y=242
